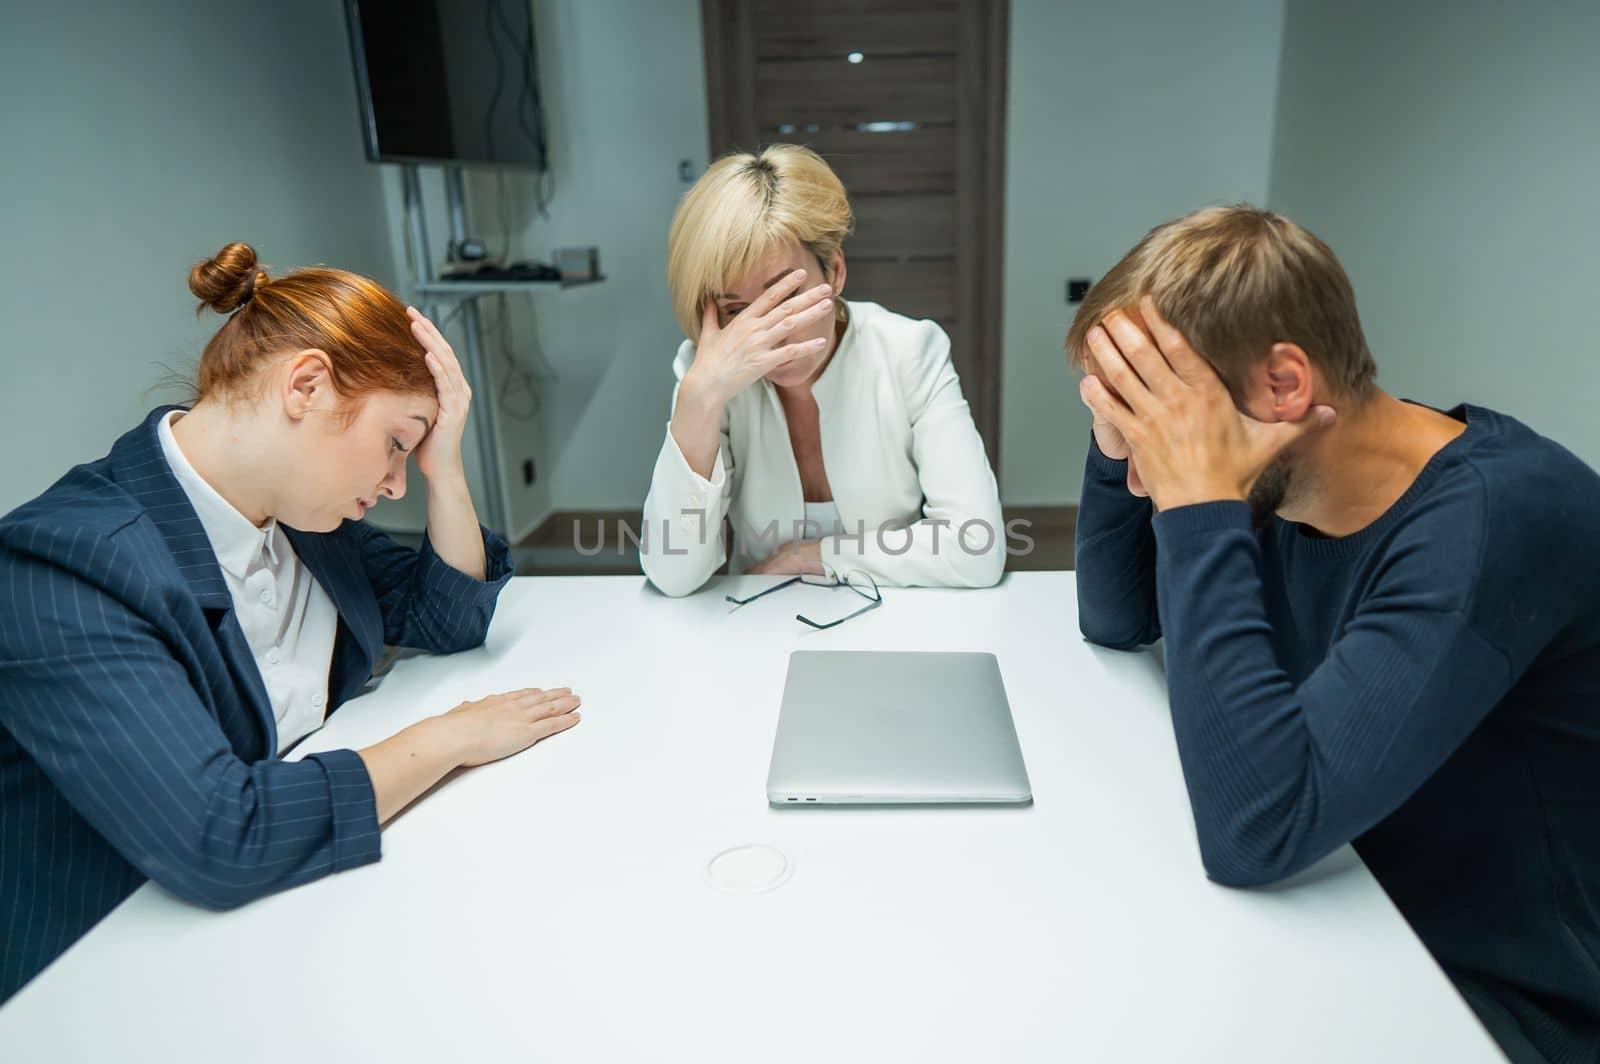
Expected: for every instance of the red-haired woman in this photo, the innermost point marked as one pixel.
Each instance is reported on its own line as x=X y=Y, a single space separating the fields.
x=178 y=613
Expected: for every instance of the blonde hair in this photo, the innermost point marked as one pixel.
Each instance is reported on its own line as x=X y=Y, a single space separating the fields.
x=743 y=207
x=1234 y=281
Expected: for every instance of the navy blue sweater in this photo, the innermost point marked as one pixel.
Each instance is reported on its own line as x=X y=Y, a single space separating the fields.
x=1427 y=688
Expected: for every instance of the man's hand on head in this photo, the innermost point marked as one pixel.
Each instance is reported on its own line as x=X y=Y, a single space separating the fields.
x=1111 y=442
x=1191 y=443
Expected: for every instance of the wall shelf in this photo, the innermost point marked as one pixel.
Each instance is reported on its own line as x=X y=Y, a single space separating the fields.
x=444 y=290
x=428 y=291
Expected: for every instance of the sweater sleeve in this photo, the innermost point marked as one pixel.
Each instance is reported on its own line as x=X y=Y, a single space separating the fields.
x=961 y=539
x=1281 y=773
x=1115 y=555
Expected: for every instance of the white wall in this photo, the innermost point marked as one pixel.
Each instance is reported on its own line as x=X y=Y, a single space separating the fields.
x=1448 y=153
x=138 y=139
x=624 y=90
x=1121 y=116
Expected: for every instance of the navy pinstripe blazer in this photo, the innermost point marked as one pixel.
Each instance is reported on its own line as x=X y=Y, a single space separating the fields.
x=136 y=736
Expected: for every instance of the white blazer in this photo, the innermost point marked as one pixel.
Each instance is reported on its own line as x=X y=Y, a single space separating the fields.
x=918 y=503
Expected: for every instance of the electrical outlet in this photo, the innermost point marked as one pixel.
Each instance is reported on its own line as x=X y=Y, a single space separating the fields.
x=527 y=471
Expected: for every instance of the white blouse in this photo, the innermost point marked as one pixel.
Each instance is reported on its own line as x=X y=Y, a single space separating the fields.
x=916 y=498
x=288 y=619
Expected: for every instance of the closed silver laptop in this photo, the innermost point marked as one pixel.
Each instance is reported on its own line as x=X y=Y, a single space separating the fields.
x=873 y=728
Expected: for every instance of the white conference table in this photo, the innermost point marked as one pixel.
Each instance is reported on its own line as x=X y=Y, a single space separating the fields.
x=556 y=906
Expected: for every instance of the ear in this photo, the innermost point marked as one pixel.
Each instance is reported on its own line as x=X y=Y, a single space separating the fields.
x=835 y=272
x=1290 y=382
x=307 y=384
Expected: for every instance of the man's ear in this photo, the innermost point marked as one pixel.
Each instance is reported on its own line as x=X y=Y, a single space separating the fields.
x=307 y=384
x=1290 y=382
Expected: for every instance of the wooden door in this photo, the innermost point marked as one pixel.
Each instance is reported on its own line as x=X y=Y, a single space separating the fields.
x=906 y=100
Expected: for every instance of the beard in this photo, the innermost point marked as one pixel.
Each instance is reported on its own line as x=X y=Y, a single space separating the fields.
x=1269 y=492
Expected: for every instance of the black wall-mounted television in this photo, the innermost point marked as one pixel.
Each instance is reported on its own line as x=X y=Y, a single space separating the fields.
x=448 y=81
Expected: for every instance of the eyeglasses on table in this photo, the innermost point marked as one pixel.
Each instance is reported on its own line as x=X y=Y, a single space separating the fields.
x=855 y=580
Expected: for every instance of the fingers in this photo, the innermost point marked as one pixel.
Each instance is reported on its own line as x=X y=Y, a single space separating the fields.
x=779 y=356
x=555 y=707
x=818 y=300
x=501 y=725
x=448 y=377
x=447 y=362
x=1104 y=431
x=553 y=726
x=1269 y=439
x=710 y=324
x=776 y=294
x=426 y=332
x=532 y=695
x=799 y=313
x=437 y=348
x=1108 y=408
x=452 y=388
x=1140 y=352
x=1183 y=358
x=527 y=696
x=1083 y=392
x=1115 y=373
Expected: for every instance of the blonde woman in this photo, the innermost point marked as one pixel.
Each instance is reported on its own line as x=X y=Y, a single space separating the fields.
x=832 y=434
